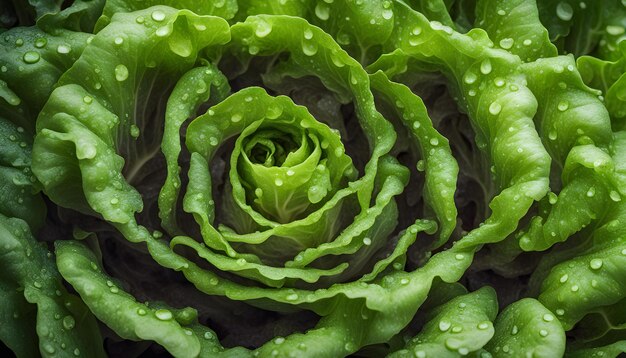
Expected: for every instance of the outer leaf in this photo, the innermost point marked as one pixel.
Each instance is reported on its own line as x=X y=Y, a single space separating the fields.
x=83 y=123
x=592 y=278
x=63 y=323
x=132 y=320
x=609 y=351
x=18 y=318
x=27 y=55
x=504 y=109
x=223 y=8
x=193 y=89
x=514 y=26
x=570 y=113
x=434 y=10
x=440 y=168
x=460 y=326
x=526 y=327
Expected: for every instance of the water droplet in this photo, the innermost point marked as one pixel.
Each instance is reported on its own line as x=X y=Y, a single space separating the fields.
x=453 y=343
x=444 y=326
x=564 y=278
x=560 y=311
x=591 y=192
x=548 y=317
x=495 y=108
x=563 y=106
x=483 y=325
x=353 y=79
x=507 y=43
x=309 y=48
x=115 y=201
x=334 y=57
x=485 y=67
x=459 y=256
x=163 y=31
x=163 y=314
x=76 y=352
x=552 y=135
x=501 y=12
x=614 y=30
x=367 y=241
x=158 y=15
x=387 y=14
x=68 y=322
x=564 y=11
x=527 y=42
x=263 y=28
x=470 y=77
x=292 y=297
x=514 y=330
x=253 y=50
x=552 y=198
x=615 y=196
x=350 y=347
x=278 y=182
x=421 y=165
x=121 y=73
x=31 y=57
x=236 y=117
x=308 y=34
x=595 y=264
x=416 y=30
x=63 y=49
x=574 y=288
x=134 y=131
x=343 y=38
x=543 y=333
x=322 y=11
x=41 y=42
